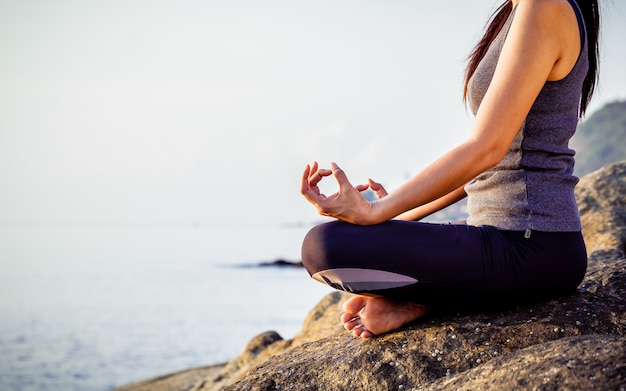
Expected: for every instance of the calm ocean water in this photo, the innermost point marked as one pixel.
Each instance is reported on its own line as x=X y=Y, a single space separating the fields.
x=94 y=307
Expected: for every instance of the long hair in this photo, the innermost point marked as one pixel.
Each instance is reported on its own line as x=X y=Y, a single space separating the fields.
x=591 y=16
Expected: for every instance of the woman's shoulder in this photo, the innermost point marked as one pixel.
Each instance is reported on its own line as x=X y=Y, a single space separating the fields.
x=549 y=7
x=551 y=15
x=549 y=18
x=556 y=29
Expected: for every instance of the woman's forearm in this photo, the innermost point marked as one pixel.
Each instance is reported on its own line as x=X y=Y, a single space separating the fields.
x=427 y=209
x=442 y=178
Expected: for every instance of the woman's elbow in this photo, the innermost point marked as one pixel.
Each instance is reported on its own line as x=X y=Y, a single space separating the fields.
x=486 y=154
x=492 y=157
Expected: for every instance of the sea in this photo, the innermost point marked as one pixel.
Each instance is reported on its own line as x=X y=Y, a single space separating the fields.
x=91 y=307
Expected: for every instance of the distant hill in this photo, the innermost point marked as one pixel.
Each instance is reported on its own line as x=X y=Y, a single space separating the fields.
x=601 y=139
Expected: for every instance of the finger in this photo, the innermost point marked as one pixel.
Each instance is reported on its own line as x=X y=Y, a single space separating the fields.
x=378 y=188
x=362 y=187
x=374 y=185
x=304 y=181
x=340 y=176
x=312 y=169
x=317 y=176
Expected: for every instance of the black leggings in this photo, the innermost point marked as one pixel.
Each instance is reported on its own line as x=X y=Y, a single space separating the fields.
x=449 y=265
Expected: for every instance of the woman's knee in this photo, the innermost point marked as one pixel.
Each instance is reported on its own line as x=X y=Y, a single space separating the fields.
x=315 y=248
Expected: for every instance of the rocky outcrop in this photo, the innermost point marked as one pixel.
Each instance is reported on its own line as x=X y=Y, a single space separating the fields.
x=601 y=198
x=179 y=381
x=575 y=342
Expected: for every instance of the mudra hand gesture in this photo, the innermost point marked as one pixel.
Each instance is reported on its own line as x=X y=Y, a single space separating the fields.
x=347 y=204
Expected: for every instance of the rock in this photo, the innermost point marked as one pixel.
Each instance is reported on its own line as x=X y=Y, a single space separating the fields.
x=522 y=348
x=602 y=205
x=282 y=263
x=574 y=363
x=179 y=381
x=574 y=342
x=319 y=323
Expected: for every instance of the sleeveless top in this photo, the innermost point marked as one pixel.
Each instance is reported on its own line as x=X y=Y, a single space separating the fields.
x=532 y=188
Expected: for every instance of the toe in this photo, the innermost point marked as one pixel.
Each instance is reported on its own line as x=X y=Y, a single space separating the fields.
x=346 y=317
x=355 y=304
x=358 y=331
x=366 y=334
x=352 y=323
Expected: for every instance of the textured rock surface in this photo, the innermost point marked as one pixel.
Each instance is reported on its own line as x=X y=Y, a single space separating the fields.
x=530 y=346
x=179 y=381
x=601 y=198
x=575 y=342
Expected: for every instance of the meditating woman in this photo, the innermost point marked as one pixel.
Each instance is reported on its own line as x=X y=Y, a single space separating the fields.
x=528 y=82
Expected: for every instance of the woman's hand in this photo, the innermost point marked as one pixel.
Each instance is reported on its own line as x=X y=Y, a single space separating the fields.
x=347 y=203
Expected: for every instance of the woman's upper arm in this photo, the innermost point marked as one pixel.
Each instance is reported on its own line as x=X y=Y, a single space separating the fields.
x=534 y=44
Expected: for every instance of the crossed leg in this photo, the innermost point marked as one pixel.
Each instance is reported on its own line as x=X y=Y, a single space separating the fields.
x=367 y=316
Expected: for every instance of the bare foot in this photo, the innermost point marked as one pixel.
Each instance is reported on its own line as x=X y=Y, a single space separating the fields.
x=367 y=316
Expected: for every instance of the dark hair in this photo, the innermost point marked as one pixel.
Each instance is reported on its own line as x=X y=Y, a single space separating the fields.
x=591 y=16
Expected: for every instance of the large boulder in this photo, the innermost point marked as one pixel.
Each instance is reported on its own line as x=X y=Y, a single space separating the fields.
x=574 y=342
x=601 y=197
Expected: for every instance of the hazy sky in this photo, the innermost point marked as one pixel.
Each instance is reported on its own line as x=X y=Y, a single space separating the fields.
x=207 y=111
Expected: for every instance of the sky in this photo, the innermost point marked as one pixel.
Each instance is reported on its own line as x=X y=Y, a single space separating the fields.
x=206 y=112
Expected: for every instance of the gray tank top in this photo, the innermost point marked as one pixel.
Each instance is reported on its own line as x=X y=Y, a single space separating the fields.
x=532 y=188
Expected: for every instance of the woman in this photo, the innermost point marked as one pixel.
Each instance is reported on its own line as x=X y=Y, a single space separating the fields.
x=528 y=82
